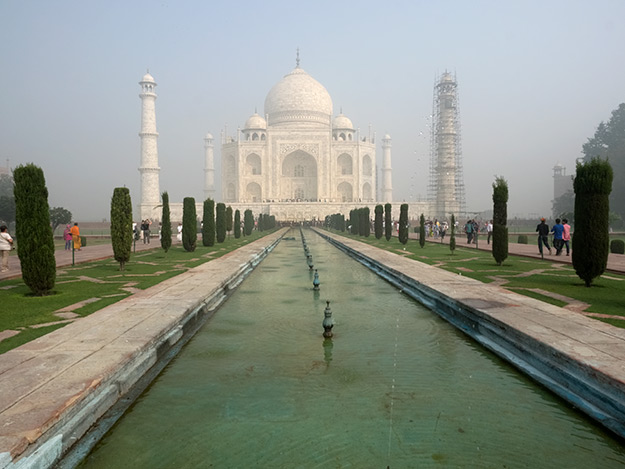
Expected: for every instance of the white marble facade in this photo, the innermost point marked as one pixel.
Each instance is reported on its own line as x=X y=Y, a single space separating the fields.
x=298 y=153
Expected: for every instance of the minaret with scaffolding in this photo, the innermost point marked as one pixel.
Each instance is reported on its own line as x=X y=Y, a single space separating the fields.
x=446 y=185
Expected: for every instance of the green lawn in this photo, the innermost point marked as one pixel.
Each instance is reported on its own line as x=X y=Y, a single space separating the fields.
x=98 y=284
x=520 y=274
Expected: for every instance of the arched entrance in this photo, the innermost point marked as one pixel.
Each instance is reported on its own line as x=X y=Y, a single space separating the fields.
x=299 y=177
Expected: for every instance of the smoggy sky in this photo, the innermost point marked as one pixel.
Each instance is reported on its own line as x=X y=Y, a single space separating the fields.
x=535 y=79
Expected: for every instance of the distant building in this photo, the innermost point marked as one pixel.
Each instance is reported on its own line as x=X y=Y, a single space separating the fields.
x=561 y=182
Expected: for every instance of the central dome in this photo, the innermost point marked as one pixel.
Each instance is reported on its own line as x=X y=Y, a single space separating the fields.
x=297 y=98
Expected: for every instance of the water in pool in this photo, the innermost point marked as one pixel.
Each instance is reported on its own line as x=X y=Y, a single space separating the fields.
x=395 y=387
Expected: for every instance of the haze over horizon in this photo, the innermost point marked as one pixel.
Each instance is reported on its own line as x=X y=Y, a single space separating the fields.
x=535 y=79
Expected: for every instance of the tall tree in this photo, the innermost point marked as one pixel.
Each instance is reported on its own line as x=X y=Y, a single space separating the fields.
x=165 y=223
x=59 y=216
x=6 y=185
x=208 y=223
x=500 y=220
x=189 y=224
x=7 y=209
x=248 y=222
x=403 y=223
x=237 y=224
x=378 y=221
x=609 y=143
x=388 y=222
x=591 y=242
x=229 y=221
x=366 y=215
x=121 y=225
x=220 y=222
x=452 y=236
x=35 y=247
x=563 y=206
x=422 y=231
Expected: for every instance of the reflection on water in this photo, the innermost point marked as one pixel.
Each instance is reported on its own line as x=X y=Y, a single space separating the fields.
x=259 y=386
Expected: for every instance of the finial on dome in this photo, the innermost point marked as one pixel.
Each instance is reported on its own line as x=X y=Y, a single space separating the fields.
x=297 y=59
x=255 y=109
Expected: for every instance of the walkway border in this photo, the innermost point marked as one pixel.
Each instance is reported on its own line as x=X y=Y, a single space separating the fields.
x=577 y=358
x=55 y=388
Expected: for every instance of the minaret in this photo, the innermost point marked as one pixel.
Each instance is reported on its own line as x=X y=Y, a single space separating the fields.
x=149 y=170
x=387 y=189
x=446 y=180
x=209 y=168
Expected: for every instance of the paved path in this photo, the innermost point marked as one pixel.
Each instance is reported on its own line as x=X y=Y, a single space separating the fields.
x=616 y=262
x=86 y=254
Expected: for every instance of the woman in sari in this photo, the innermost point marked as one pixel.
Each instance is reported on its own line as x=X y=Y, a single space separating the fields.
x=76 y=236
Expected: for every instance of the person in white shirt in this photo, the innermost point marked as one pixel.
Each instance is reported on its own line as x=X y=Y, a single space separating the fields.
x=489 y=230
x=6 y=244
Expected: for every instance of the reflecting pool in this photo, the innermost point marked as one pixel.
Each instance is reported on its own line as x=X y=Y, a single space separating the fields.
x=395 y=387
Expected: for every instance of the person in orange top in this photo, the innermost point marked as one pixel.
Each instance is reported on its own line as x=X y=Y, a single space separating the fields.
x=76 y=236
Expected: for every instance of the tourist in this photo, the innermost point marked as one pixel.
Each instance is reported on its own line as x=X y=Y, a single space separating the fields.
x=67 y=236
x=489 y=230
x=468 y=229
x=543 y=236
x=145 y=228
x=76 y=237
x=557 y=231
x=566 y=235
x=179 y=235
x=6 y=244
x=444 y=227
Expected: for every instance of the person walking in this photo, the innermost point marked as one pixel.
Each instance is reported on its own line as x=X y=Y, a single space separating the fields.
x=543 y=236
x=6 y=244
x=557 y=231
x=566 y=235
x=145 y=228
x=76 y=236
x=489 y=230
x=67 y=236
x=468 y=229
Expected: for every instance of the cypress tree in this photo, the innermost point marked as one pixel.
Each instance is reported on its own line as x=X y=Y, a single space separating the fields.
x=366 y=215
x=355 y=221
x=403 y=223
x=248 y=222
x=452 y=236
x=500 y=220
x=388 y=222
x=421 y=230
x=261 y=222
x=35 y=247
x=591 y=242
x=189 y=224
x=229 y=221
x=208 y=224
x=121 y=225
x=220 y=222
x=377 y=223
x=237 y=224
x=165 y=223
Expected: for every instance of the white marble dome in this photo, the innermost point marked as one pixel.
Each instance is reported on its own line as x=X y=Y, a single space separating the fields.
x=298 y=97
x=255 y=122
x=148 y=78
x=342 y=122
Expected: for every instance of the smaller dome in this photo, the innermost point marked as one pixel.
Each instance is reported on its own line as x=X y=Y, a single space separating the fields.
x=342 y=122
x=148 y=77
x=208 y=136
x=256 y=122
x=387 y=137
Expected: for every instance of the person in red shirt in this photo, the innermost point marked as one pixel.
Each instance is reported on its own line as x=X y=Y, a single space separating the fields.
x=566 y=234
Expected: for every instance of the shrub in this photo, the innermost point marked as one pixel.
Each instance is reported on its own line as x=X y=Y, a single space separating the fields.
x=189 y=224
x=522 y=239
x=220 y=222
x=121 y=225
x=421 y=230
x=229 y=221
x=452 y=236
x=378 y=221
x=237 y=224
x=403 y=223
x=165 y=223
x=500 y=220
x=617 y=246
x=35 y=241
x=208 y=225
x=248 y=222
x=83 y=241
x=591 y=243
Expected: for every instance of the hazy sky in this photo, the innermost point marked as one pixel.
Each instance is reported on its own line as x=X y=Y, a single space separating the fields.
x=535 y=79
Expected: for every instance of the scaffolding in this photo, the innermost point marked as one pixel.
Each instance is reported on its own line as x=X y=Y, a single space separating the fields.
x=446 y=180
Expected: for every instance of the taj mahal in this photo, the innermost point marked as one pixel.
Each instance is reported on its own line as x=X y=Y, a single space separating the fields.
x=298 y=161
